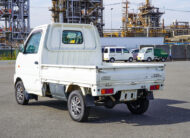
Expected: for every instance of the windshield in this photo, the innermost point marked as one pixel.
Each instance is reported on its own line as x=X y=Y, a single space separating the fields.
x=142 y=51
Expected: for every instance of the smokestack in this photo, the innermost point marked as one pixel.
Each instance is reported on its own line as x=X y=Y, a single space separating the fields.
x=147 y=2
x=163 y=24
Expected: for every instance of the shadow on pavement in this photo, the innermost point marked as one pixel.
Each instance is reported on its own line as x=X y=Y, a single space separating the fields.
x=58 y=104
x=161 y=112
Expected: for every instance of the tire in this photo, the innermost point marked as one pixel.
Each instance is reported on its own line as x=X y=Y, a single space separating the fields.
x=149 y=59
x=20 y=94
x=77 y=107
x=112 y=60
x=163 y=59
x=138 y=107
x=130 y=59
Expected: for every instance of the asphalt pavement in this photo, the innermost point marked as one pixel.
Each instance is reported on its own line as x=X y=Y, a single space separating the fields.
x=168 y=115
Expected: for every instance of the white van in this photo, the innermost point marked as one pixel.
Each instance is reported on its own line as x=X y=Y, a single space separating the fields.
x=113 y=54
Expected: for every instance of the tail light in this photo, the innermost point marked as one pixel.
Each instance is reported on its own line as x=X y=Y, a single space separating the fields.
x=154 y=87
x=107 y=91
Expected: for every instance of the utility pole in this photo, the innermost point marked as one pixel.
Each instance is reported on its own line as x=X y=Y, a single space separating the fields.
x=111 y=21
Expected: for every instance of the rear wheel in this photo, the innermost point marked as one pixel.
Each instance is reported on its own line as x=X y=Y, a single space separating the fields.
x=163 y=59
x=112 y=60
x=76 y=106
x=20 y=93
x=130 y=59
x=138 y=107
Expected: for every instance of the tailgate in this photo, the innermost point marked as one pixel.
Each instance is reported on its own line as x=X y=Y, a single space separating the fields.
x=131 y=74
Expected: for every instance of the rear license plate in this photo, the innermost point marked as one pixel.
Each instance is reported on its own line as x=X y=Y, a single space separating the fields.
x=128 y=95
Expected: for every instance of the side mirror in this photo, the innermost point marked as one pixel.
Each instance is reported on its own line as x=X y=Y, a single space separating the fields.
x=21 y=48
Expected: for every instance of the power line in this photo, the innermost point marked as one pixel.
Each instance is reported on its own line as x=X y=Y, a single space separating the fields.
x=174 y=10
x=36 y=7
x=113 y=4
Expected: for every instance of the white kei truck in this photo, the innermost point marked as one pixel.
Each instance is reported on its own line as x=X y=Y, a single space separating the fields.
x=64 y=61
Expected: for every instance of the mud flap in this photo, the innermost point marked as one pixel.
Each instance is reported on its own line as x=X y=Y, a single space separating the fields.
x=89 y=100
x=26 y=95
x=30 y=96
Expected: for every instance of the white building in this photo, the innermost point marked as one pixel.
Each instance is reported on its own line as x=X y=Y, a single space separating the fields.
x=131 y=42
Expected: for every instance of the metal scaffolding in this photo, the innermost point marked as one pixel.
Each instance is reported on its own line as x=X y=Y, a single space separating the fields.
x=78 y=11
x=145 y=23
x=150 y=15
x=14 y=20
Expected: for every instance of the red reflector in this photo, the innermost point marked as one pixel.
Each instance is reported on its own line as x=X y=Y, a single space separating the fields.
x=155 y=87
x=107 y=91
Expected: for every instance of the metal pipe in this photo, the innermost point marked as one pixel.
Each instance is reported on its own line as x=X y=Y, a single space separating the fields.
x=61 y=11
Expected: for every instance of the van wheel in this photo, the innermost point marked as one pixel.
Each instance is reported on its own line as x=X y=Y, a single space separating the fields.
x=112 y=60
x=163 y=59
x=149 y=59
x=20 y=93
x=138 y=107
x=130 y=59
x=77 y=107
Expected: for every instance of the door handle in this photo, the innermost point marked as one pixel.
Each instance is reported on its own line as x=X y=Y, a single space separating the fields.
x=36 y=62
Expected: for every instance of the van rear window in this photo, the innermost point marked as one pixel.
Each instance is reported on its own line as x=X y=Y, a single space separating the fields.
x=72 y=37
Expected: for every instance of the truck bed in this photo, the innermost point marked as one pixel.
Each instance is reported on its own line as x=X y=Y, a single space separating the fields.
x=117 y=75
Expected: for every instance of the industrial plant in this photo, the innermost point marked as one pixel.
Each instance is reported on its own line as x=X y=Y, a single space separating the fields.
x=147 y=22
x=78 y=11
x=14 y=21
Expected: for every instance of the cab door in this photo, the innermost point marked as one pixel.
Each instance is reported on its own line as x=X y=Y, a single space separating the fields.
x=150 y=53
x=29 y=62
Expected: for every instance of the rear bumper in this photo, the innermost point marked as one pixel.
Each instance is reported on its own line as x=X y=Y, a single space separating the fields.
x=96 y=91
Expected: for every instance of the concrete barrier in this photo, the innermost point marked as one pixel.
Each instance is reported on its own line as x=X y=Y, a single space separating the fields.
x=178 y=52
x=188 y=52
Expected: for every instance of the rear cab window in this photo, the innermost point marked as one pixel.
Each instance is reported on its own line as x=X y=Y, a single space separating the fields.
x=72 y=37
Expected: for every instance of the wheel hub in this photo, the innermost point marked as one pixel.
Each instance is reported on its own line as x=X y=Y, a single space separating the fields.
x=76 y=106
x=20 y=93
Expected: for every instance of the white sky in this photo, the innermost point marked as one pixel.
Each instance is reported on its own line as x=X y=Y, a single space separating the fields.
x=41 y=15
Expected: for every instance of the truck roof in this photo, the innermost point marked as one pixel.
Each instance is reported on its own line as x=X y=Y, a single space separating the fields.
x=65 y=24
